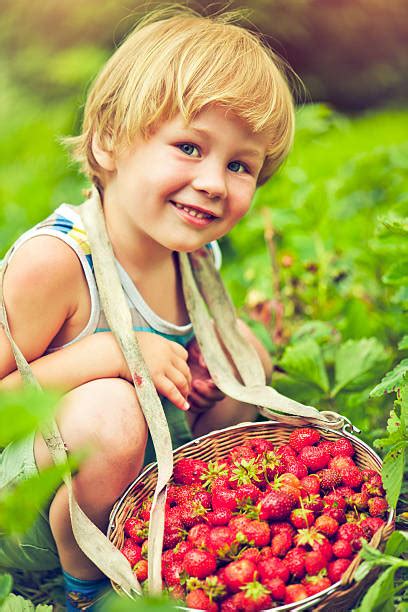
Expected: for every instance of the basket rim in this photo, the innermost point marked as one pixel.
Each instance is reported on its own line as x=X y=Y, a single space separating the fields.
x=312 y=599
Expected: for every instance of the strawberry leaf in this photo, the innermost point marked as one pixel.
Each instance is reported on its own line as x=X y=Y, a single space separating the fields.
x=379 y=595
x=392 y=381
x=393 y=472
x=357 y=362
x=397 y=273
x=6 y=582
x=304 y=361
x=403 y=343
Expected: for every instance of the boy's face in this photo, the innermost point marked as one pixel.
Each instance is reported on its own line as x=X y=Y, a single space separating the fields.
x=186 y=185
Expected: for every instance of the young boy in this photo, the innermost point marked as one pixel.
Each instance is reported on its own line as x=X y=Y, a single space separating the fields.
x=185 y=120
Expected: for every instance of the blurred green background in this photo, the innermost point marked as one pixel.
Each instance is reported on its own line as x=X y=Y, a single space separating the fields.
x=333 y=216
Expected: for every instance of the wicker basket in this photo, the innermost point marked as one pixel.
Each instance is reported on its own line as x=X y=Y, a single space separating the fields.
x=215 y=445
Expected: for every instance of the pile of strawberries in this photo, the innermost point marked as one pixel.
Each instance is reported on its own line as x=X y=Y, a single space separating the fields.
x=264 y=526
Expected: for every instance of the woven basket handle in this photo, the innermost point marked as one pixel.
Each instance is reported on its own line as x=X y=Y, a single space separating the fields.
x=202 y=280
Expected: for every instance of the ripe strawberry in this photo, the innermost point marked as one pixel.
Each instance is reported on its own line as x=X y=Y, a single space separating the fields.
x=314 y=457
x=136 y=529
x=192 y=513
x=265 y=553
x=301 y=518
x=218 y=517
x=370 y=525
x=315 y=584
x=279 y=526
x=305 y=436
x=258 y=533
x=181 y=548
x=199 y=563
x=172 y=536
x=252 y=554
x=296 y=467
x=275 y=505
x=342 y=447
x=351 y=477
x=286 y=451
x=239 y=522
x=358 y=500
x=326 y=525
x=239 y=573
x=198 y=535
x=177 y=495
x=324 y=548
x=254 y=597
x=238 y=453
x=336 y=569
x=326 y=445
x=329 y=478
x=145 y=510
x=132 y=551
x=314 y=562
x=368 y=474
x=224 y=498
x=259 y=445
x=220 y=540
x=281 y=543
x=295 y=592
x=276 y=587
x=340 y=463
x=177 y=592
x=334 y=500
x=273 y=568
x=310 y=485
x=344 y=491
x=247 y=492
x=295 y=562
x=372 y=489
x=140 y=570
x=313 y=503
x=352 y=533
x=377 y=506
x=189 y=471
x=335 y=513
x=342 y=549
x=289 y=479
x=199 y=600
x=171 y=572
x=272 y=465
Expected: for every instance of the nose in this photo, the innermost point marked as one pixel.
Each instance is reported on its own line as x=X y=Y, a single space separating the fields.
x=211 y=179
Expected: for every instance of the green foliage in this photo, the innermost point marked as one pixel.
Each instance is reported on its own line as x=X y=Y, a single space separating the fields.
x=16 y=603
x=6 y=583
x=152 y=604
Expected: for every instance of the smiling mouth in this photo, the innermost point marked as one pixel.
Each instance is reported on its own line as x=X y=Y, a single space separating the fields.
x=193 y=212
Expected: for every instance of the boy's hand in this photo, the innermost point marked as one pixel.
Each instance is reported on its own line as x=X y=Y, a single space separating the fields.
x=204 y=394
x=167 y=364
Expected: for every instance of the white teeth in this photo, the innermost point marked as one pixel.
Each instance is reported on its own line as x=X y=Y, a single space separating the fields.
x=193 y=212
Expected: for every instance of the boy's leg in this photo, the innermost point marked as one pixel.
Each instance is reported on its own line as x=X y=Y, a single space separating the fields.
x=225 y=413
x=104 y=416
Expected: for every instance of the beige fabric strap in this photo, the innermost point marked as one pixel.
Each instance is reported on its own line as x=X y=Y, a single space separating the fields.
x=90 y=539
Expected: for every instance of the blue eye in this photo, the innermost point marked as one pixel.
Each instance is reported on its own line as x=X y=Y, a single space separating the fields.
x=237 y=167
x=189 y=149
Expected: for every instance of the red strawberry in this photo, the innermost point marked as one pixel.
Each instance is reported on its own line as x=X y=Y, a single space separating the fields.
x=334 y=500
x=314 y=562
x=301 y=518
x=310 y=485
x=172 y=536
x=145 y=510
x=326 y=445
x=295 y=562
x=313 y=503
x=220 y=541
x=377 y=506
x=329 y=478
x=224 y=498
x=252 y=554
x=239 y=573
x=324 y=548
x=136 y=529
x=177 y=592
x=368 y=474
x=289 y=479
x=342 y=447
x=358 y=500
x=281 y=543
x=140 y=570
x=199 y=600
x=132 y=551
x=254 y=597
x=314 y=457
x=199 y=563
x=198 y=535
x=335 y=513
x=171 y=572
x=181 y=548
x=257 y=532
x=218 y=517
x=273 y=568
x=272 y=464
x=316 y=584
x=342 y=549
x=286 y=451
x=352 y=533
x=276 y=587
x=279 y=526
x=341 y=463
x=275 y=505
x=351 y=477
x=305 y=436
x=295 y=592
x=177 y=495
x=296 y=467
x=259 y=445
x=247 y=492
x=344 y=491
x=370 y=525
x=326 y=525
x=238 y=453
x=189 y=471
x=239 y=522
x=265 y=553
x=336 y=569
x=192 y=513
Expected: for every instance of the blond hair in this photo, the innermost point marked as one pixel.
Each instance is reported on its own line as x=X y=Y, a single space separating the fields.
x=178 y=61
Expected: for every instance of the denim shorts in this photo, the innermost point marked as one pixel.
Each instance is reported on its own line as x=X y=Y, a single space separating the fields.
x=36 y=550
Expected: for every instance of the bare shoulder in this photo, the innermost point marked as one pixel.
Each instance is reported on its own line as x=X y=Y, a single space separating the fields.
x=41 y=288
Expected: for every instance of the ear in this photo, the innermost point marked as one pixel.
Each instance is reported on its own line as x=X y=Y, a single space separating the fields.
x=104 y=158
